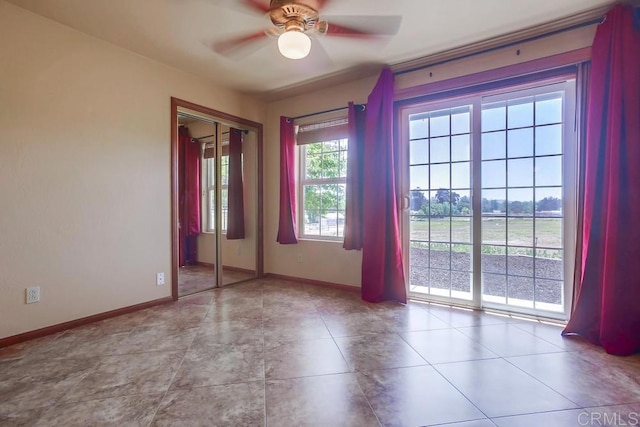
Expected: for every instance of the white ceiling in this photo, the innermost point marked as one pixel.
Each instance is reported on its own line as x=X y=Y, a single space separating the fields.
x=180 y=33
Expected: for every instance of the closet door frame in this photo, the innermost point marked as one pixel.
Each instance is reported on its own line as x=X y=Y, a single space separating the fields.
x=258 y=128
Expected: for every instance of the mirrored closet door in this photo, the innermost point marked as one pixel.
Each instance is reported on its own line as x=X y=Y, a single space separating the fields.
x=216 y=200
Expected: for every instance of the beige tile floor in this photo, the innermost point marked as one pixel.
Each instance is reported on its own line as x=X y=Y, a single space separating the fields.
x=276 y=353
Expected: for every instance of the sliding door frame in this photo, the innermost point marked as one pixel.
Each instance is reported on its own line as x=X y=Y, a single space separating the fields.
x=474 y=98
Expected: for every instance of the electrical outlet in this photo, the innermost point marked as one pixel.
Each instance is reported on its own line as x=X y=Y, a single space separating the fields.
x=239 y=250
x=32 y=294
x=160 y=279
x=299 y=257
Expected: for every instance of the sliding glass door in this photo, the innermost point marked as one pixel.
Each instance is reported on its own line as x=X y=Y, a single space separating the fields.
x=491 y=195
x=440 y=203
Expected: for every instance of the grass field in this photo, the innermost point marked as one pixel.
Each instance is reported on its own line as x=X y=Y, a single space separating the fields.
x=495 y=231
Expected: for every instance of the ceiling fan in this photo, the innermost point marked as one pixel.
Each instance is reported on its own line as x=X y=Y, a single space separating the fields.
x=295 y=21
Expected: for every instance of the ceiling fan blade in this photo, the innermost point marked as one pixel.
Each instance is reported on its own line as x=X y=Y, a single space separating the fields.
x=363 y=26
x=257 y=5
x=322 y=4
x=229 y=46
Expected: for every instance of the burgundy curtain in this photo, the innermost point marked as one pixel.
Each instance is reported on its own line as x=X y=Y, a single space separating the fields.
x=287 y=221
x=607 y=310
x=189 y=195
x=382 y=273
x=235 y=215
x=353 y=216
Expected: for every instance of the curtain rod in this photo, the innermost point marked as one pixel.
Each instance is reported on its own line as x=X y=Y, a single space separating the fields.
x=244 y=131
x=598 y=20
x=363 y=106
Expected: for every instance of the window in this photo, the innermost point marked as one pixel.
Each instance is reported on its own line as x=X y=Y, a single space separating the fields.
x=209 y=167
x=323 y=172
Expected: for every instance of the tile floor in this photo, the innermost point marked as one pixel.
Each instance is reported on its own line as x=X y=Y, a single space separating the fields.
x=276 y=353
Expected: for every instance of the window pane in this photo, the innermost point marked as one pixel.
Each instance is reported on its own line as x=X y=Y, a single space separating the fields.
x=520 y=261
x=419 y=228
x=419 y=176
x=224 y=207
x=461 y=175
x=549 y=109
x=548 y=171
x=494 y=174
x=520 y=112
x=343 y=163
x=549 y=232
x=440 y=176
x=548 y=140
x=494 y=259
x=549 y=201
x=440 y=150
x=494 y=231
x=461 y=257
x=461 y=203
x=418 y=128
x=440 y=203
x=460 y=120
x=549 y=264
x=494 y=116
x=419 y=151
x=520 y=231
x=419 y=201
x=440 y=256
x=520 y=172
x=439 y=123
x=521 y=291
x=549 y=292
x=331 y=164
x=494 y=145
x=494 y=202
x=440 y=282
x=461 y=230
x=460 y=148
x=520 y=142
x=494 y=285
x=313 y=160
x=312 y=208
x=520 y=202
x=440 y=229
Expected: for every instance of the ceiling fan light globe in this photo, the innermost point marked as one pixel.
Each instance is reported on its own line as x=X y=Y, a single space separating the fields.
x=294 y=44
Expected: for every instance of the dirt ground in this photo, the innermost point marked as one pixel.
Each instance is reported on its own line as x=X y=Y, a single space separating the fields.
x=511 y=276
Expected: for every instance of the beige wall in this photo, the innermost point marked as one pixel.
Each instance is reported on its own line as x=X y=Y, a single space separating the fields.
x=85 y=170
x=327 y=261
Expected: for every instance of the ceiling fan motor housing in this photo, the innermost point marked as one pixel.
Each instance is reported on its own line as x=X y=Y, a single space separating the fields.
x=288 y=15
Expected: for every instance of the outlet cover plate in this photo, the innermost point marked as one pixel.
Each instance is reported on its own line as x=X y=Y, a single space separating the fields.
x=160 y=279
x=32 y=294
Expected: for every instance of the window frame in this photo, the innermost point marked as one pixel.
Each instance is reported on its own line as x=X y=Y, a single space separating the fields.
x=303 y=181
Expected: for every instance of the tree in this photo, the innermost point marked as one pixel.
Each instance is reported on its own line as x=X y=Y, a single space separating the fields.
x=549 y=204
x=323 y=160
x=417 y=200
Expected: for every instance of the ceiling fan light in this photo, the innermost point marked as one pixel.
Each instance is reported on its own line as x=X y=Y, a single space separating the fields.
x=294 y=44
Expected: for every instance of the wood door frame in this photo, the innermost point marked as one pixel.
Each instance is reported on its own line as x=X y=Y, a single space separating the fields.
x=175 y=104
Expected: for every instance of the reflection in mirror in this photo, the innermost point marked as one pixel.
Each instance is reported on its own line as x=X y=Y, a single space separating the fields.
x=217 y=202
